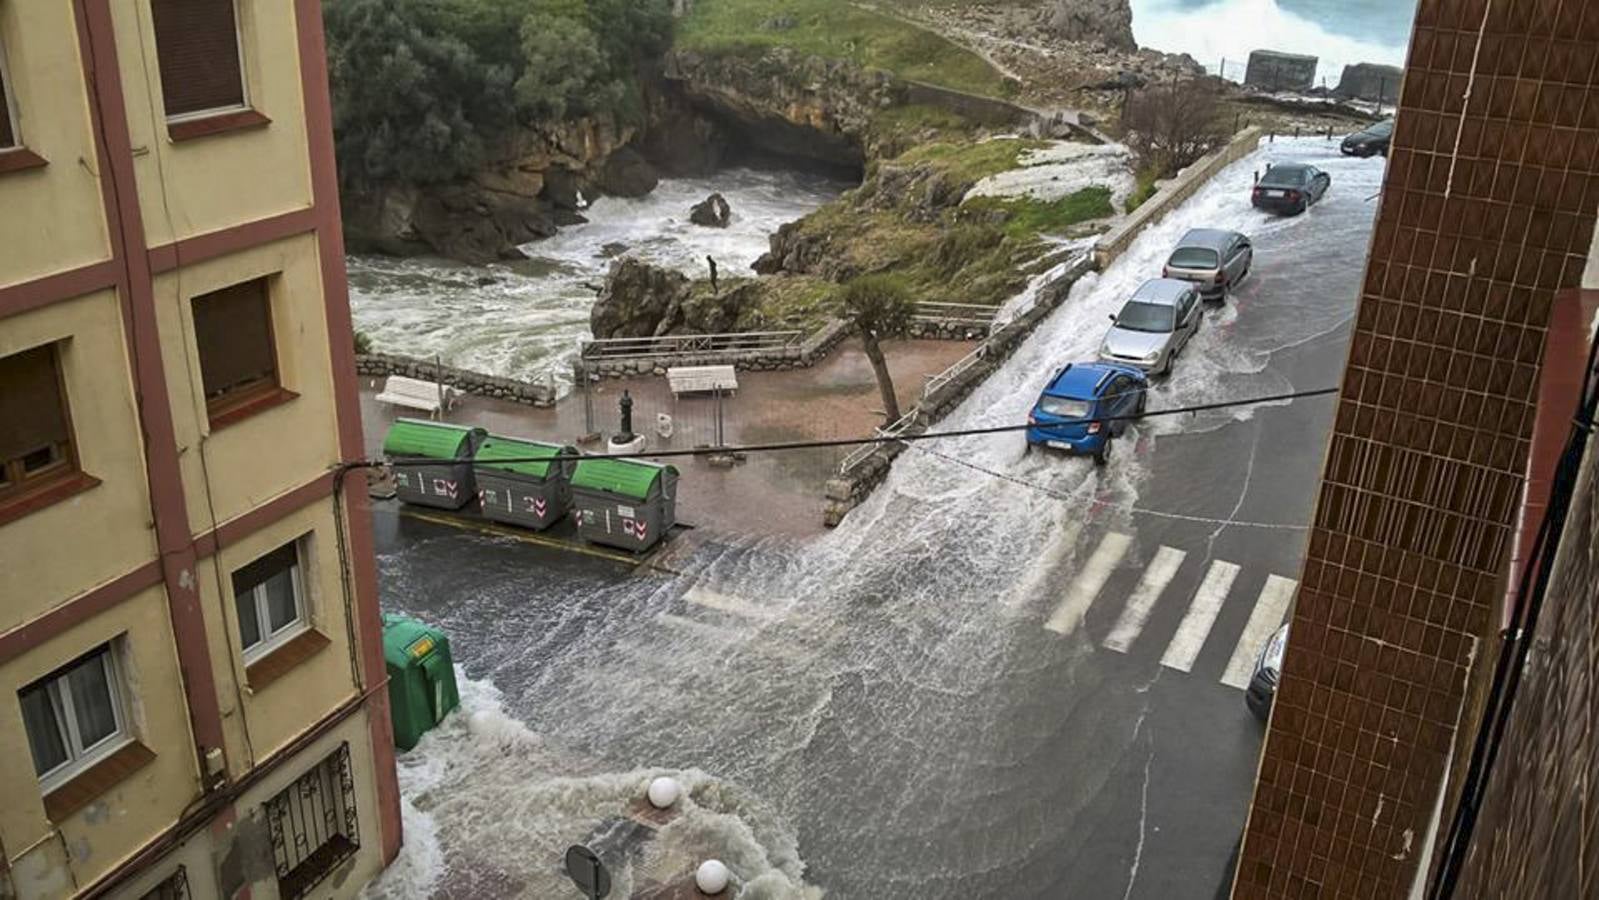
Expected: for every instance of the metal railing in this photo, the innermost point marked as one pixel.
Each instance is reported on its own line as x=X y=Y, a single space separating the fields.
x=974 y=314
x=859 y=454
x=604 y=349
x=937 y=382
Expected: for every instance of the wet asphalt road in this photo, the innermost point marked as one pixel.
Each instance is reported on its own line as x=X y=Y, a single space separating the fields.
x=896 y=695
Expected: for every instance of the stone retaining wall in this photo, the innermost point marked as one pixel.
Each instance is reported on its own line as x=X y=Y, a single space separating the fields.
x=808 y=353
x=948 y=331
x=465 y=380
x=1114 y=242
x=845 y=492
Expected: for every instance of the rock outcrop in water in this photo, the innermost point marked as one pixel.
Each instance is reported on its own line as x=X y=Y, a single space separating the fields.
x=1105 y=22
x=712 y=212
x=643 y=300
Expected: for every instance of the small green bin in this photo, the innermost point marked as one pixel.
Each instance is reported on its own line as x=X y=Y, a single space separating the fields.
x=421 y=678
x=445 y=480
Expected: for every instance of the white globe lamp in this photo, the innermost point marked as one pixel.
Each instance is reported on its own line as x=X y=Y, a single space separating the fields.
x=711 y=877
x=664 y=792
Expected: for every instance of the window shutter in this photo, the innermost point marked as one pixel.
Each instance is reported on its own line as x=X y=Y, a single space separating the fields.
x=31 y=408
x=198 y=45
x=279 y=560
x=7 y=139
x=233 y=328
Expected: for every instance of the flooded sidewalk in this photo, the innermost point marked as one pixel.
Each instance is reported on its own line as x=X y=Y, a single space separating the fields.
x=777 y=493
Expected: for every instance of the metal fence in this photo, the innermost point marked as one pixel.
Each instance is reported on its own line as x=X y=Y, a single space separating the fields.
x=955 y=313
x=936 y=383
x=596 y=349
x=859 y=454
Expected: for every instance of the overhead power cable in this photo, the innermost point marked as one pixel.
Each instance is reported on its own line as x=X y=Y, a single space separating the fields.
x=867 y=439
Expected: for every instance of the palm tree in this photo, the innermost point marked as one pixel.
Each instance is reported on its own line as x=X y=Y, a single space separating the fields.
x=880 y=308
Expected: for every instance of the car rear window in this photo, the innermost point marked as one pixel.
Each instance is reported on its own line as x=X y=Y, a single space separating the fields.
x=1283 y=177
x=1193 y=258
x=1061 y=406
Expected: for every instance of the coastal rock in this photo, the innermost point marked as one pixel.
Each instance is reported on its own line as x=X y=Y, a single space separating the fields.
x=679 y=140
x=1105 y=22
x=1271 y=70
x=712 y=212
x=626 y=173
x=788 y=103
x=636 y=298
x=1370 y=81
x=463 y=221
x=562 y=189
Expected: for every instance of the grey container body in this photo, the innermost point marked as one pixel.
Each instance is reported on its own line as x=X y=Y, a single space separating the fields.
x=616 y=521
x=446 y=485
x=524 y=500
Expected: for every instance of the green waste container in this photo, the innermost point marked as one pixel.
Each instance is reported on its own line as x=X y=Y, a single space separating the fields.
x=447 y=483
x=627 y=503
x=534 y=491
x=421 y=678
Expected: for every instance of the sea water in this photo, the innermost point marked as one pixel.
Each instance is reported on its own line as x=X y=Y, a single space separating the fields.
x=1338 y=32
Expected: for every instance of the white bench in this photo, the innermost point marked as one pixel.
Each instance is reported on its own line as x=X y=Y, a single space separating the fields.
x=415 y=393
x=692 y=379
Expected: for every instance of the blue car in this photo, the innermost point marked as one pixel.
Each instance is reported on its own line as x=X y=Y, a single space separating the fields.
x=1077 y=394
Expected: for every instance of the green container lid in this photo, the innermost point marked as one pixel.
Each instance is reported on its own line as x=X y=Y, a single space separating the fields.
x=421 y=438
x=406 y=641
x=627 y=477
x=492 y=453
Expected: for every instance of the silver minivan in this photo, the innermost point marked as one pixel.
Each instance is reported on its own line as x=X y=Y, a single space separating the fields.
x=1213 y=259
x=1154 y=325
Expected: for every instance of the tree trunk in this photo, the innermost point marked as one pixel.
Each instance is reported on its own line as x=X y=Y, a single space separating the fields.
x=885 y=382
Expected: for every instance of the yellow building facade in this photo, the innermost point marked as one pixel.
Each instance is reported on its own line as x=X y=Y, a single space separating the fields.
x=192 y=693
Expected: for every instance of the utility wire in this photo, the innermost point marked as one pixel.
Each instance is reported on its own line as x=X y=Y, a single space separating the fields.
x=855 y=441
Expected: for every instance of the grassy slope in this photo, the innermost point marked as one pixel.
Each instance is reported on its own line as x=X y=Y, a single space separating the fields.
x=838 y=30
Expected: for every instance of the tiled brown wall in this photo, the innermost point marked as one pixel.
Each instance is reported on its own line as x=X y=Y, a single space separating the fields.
x=1487 y=210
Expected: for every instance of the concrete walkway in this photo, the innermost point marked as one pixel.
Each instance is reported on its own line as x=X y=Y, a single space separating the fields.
x=767 y=493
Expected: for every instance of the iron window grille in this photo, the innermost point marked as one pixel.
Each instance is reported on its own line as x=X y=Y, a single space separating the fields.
x=313 y=824
x=175 y=887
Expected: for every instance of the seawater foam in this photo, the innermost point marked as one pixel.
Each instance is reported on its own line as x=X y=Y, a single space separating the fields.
x=1230 y=29
x=484 y=810
x=530 y=314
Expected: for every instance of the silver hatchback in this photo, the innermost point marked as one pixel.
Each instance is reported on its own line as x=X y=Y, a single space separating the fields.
x=1154 y=325
x=1212 y=259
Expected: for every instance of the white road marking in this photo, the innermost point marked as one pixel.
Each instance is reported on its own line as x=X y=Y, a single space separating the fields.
x=725 y=603
x=1268 y=614
x=1202 y=610
x=1058 y=547
x=1085 y=587
x=1162 y=569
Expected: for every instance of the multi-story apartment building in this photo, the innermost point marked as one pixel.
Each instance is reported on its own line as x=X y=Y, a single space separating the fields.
x=191 y=676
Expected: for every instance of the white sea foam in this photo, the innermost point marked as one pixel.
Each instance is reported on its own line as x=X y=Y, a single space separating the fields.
x=529 y=315
x=1230 y=29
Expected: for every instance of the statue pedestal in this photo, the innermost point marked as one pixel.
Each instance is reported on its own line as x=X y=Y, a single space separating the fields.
x=636 y=445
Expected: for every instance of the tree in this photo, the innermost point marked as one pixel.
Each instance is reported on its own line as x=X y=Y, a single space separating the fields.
x=1172 y=125
x=880 y=307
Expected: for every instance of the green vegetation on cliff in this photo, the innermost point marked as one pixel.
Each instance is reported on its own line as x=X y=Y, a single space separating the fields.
x=423 y=89
x=838 y=29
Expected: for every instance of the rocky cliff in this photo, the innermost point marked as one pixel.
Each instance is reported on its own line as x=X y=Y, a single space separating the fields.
x=1105 y=22
x=787 y=103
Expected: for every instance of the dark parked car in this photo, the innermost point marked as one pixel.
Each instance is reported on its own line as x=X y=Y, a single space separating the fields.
x=1268 y=671
x=1212 y=259
x=1290 y=188
x=1369 y=141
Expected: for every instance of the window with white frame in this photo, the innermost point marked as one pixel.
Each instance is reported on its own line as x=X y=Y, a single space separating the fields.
x=74 y=716
x=269 y=595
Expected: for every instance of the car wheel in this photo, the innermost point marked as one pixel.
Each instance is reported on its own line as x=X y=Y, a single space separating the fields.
x=1102 y=455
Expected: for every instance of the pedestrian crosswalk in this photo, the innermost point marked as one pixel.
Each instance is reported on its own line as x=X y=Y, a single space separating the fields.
x=1156 y=589
x=1169 y=604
